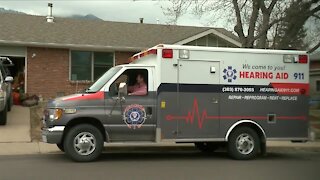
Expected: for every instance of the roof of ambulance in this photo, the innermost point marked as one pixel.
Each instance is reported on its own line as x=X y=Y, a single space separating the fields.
x=223 y=49
x=136 y=65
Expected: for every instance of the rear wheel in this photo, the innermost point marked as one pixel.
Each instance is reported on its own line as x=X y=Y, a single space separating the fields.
x=83 y=143
x=206 y=146
x=3 y=116
x=243 y=143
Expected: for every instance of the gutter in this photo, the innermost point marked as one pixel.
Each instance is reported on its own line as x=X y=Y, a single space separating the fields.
x=72 y=46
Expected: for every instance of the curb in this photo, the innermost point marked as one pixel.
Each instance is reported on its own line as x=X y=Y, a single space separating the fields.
x=28 y=148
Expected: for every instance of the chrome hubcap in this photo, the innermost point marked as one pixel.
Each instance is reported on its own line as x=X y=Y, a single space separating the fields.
x=245 y=144
x=84 y=143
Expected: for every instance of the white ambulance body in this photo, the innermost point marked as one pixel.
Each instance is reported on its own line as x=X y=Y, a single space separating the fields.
x=209 y=94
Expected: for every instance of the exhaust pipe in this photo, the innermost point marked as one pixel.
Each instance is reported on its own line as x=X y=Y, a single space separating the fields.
x=50 y=17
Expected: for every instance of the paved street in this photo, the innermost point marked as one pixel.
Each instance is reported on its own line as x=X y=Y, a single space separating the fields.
x=173 y=164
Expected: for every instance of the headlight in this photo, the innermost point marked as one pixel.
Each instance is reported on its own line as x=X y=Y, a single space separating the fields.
x=55 y=114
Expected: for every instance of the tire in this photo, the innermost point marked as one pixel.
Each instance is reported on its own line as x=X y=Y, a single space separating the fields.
x=61 y=147
x=3 y=116
x=9 y=104
x=83 y=143
x=243 y=143
x=206 y=146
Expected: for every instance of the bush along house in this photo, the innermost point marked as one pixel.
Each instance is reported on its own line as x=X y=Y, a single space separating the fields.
x=60 y=56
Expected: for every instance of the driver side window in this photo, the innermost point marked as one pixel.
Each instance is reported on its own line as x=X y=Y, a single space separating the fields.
x=136 y=81
x=114 y=88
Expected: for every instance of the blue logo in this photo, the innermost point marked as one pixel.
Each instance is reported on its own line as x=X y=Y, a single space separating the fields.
x=230 y=74
x=134 y=116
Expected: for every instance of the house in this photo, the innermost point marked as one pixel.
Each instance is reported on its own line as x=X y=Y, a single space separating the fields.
x=315 y=76
x=61 y=56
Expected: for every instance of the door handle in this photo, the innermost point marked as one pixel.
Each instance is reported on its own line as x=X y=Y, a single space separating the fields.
x=122 y=99
x=149 y=112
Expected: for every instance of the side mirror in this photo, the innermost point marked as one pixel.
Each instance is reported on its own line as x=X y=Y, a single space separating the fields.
x=9 y=79
x=122 y=89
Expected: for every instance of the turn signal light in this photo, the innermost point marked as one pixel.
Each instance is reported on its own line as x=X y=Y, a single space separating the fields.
x=303 y=59
x=167 y=53
x=55 y=114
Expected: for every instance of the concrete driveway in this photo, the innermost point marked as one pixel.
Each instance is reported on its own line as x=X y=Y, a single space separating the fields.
x=18 y=126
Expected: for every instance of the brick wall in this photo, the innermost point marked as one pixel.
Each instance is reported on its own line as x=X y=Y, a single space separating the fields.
x=48 y=72
x=315 y=64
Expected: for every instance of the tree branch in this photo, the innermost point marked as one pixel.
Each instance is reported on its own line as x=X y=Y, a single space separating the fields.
x=263 y=31
x=238 y=27
x=272 y=4
x=316 y=16
x=314 y=48
x=266 y=9
x=244 y=4
x=253 y=19
x=313 y=11
x=266 y=28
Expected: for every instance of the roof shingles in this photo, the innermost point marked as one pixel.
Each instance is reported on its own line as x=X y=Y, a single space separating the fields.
x=35 y=29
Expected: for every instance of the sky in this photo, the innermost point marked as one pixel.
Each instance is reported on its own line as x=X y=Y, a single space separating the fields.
x=109 y=10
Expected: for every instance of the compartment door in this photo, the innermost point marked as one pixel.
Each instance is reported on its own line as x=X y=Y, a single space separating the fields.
x=198 y=113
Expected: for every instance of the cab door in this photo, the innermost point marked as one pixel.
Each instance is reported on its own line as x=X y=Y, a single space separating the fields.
x=132 y=117
x=198 y=99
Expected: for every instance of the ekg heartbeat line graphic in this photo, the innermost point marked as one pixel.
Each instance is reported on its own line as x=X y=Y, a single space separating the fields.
x=194 y=113
x=203 y=116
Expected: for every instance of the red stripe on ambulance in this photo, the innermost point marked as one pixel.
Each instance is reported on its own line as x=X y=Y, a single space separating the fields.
x=92 y=96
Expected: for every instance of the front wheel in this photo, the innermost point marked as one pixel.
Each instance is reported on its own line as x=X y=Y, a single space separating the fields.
x=243 y=143
x=83 y=143
x=61 y=147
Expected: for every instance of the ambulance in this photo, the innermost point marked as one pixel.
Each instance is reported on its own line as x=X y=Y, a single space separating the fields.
x=212 y=97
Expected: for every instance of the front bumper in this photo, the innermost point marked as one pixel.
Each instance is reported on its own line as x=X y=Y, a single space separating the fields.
x=52 y=135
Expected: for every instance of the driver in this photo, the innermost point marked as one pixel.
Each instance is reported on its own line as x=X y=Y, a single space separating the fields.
x=139 y=88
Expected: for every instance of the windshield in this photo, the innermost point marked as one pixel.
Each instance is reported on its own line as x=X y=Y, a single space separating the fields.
x=103 y=80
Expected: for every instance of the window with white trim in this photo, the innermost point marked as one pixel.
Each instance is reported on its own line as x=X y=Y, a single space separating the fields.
x=89 y=66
